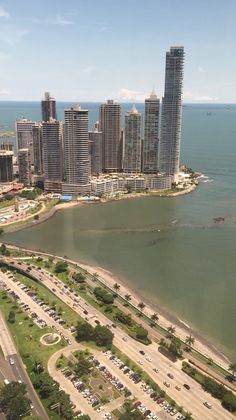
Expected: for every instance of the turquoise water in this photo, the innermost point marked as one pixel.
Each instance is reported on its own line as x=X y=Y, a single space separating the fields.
x=189 y=267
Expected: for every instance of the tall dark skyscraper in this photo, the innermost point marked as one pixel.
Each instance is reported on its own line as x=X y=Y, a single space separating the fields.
x=110 y=125
x=151 y=134
x=132 y=155
x=76 y=150
x=95 y=143
x=171 y=116
x=38 y=149
x=24 y=164
x=48 y=107
x=52 y=155
x=6 y=166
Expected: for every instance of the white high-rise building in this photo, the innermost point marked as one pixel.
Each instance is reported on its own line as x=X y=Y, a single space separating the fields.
x=132 y=155
x=171 y=116
x=24 y=136
x=151 y=134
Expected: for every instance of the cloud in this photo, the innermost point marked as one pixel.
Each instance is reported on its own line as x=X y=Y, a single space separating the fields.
x=11 y=35
x=130 y=95
x=189 y=96
x=4 y=13
x=4 y=92
x=201 y=69
x=88 y=69
x=55 y=20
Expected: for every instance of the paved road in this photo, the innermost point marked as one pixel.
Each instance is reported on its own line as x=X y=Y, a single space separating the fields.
x=18 y=371
x=191 y=400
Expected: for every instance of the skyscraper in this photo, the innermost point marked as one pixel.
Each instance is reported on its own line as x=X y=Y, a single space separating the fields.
x=24 y=136
x=171 y=116
x=151 y=134
x=95 y=142
x=76 y=151
x=6 y=166
x=24 y=166
x=52 y=155
x=110 y=125
x=132 y=155
x=48 y=107
x=38 y=149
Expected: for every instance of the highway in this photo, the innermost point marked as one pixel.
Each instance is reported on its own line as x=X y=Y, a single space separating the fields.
x=191 y=400
x=17 y=371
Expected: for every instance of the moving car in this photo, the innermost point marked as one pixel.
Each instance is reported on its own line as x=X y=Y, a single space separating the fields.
x=207 y=404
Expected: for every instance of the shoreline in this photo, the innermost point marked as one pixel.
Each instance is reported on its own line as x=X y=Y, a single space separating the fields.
x=30 y=222
x=166 y=318
x=107 y=277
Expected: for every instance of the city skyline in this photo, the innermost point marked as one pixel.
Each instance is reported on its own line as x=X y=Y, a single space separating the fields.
x=110 y=61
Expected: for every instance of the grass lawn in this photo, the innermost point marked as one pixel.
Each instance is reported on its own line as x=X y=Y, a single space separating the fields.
x=27 y=342
x=66 y=313
x=26 y=337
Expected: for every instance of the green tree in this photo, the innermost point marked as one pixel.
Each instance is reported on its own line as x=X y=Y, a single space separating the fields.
x=124 y=318
x=141 y=306
x=116 y=287
x=78 y=277
x=141 y=333
x=4 y=250
x=229 y=402
x=38 y=367
x=103 y=296
x=83 y=366
x=61 y=266
x=46 y=385
x=11 y=317
x=103 y=336
x=232 y=368
x=175 y=347
x=36 y=217
x=1 y=231
x=171 y=330
x=84 y=331
x=154 y=317
x=13 y=401
x=190 y=340
x=128 y=297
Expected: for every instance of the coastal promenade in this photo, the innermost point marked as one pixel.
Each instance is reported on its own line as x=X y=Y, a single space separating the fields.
x=191 y=401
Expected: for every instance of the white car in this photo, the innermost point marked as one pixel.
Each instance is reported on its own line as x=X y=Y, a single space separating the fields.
x=11 y=361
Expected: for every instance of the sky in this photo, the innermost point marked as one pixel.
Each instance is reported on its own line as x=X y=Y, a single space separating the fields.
x=92 y=50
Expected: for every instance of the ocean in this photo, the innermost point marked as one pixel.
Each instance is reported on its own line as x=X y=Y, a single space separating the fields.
x=188 y=267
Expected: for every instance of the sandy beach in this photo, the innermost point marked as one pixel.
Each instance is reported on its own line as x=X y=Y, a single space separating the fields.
x=165 y=319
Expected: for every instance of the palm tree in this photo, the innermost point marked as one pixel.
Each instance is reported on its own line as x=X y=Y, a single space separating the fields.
x=154 y=317
x=141 y=306
x=232 y=368
x=190 y=340
x=171 y=330
x=128 y=298
x=116 y=286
